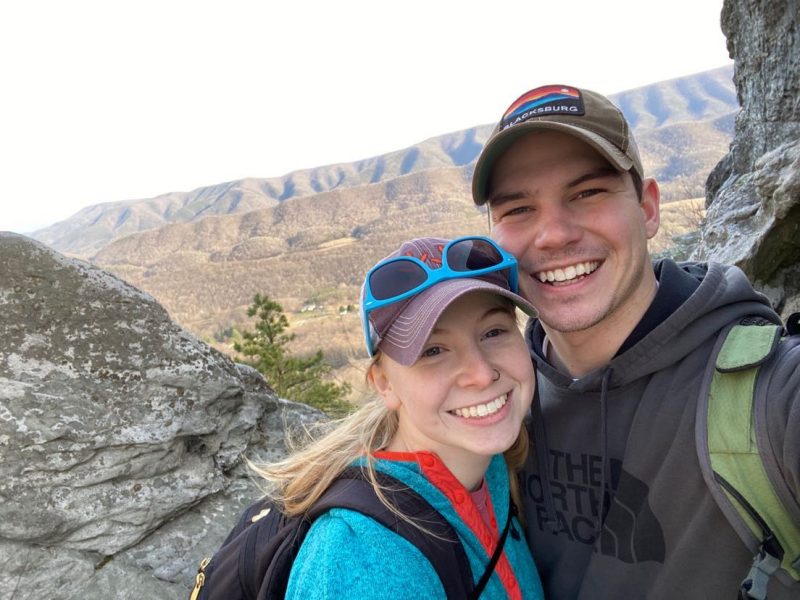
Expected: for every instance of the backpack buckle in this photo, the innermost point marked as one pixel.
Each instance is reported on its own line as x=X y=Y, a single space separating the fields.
x=755 y=584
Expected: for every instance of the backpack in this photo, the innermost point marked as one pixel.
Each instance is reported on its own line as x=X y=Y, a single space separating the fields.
x=255 y=560
x=737 y=461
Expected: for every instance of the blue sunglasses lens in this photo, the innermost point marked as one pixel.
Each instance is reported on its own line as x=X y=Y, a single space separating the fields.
x=395 y=278
x=472 y=255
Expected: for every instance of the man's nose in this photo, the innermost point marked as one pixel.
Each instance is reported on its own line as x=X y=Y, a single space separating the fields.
x=556 y=227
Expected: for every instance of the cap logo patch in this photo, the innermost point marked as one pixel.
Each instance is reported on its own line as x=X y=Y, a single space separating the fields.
x=543 y=102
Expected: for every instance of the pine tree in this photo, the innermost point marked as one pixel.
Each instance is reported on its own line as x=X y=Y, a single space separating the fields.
x=292 y=377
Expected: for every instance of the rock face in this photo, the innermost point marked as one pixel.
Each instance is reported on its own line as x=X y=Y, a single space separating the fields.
x=753 y=195
x=121 y=435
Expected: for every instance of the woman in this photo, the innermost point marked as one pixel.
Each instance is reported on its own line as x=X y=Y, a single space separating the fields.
x=454 y=381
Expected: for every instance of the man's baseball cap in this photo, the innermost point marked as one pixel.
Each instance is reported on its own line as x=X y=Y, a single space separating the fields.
x=582 y=113
x=403 y=327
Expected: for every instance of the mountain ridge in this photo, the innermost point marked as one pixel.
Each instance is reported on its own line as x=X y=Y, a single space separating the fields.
x=701 y=98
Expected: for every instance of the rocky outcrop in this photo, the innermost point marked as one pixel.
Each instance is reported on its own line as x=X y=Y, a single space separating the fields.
x=753 y=195
x=121 y=435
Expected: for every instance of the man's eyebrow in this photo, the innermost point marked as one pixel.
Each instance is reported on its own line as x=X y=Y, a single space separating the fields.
x=595 y=174
x=501 y=198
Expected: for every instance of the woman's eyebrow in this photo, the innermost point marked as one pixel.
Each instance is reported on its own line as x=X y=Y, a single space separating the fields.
x=494 y=310
x=489 y=312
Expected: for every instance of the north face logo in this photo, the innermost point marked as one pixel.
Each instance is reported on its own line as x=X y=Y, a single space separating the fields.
x=630 y=532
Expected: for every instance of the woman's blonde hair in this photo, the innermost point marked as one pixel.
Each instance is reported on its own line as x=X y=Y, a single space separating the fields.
x=299 y=480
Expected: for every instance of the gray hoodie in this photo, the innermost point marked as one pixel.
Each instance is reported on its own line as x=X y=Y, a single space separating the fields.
x=629 y=429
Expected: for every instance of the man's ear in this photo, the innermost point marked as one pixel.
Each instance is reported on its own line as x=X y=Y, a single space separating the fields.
x=651 y=206
x=377 y=378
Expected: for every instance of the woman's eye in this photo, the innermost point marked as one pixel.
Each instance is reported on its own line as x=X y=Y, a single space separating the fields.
x=432 y=351
x=493 y=333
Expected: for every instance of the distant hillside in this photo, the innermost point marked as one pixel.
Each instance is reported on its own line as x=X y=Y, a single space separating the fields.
x=93 y=227
x=683 y=127
x=207 y=271
x=309 y=253
x=681 y=155
x=698 y=97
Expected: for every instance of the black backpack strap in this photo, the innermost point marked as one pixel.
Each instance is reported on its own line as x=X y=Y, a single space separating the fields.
x=501 y=542
x=439 y=542
x=793 y=324
x=278 y=556
x=237 y=568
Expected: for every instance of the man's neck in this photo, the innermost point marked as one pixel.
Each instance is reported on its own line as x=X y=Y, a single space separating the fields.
x=580 y=352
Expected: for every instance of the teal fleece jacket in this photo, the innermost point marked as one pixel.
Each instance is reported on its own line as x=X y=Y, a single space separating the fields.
x=349 y=555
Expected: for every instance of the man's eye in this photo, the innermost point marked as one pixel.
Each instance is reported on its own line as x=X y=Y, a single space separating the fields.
x=517 y=211
x=589 y=193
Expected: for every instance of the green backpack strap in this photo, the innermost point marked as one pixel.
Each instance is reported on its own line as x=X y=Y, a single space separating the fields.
x=732 y=465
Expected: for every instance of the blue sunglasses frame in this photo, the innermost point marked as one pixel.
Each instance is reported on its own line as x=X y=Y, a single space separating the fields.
x=434 y=276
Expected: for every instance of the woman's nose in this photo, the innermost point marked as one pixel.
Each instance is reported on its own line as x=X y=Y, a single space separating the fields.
x=475 y=370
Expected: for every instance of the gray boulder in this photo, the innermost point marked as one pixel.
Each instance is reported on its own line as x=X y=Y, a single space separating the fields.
x=121 y=435
x=753 y=195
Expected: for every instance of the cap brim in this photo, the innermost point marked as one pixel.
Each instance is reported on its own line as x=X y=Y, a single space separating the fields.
x=503 y=140
x=404 y=340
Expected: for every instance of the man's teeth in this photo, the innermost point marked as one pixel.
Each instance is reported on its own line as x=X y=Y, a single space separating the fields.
x=567 y=273
x=482 y=410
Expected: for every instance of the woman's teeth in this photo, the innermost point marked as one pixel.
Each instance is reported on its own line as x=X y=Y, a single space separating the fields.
x=482 y=410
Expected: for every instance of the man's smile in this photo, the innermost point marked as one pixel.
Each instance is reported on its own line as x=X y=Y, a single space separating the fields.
x=567 y=273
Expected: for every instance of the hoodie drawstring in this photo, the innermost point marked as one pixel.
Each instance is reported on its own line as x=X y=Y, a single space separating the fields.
x=604 y=453
x=542 y=454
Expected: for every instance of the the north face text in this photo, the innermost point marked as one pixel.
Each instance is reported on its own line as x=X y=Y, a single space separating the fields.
x=630 y=530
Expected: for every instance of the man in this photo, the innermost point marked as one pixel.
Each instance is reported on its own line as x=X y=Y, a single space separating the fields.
x=615 y=501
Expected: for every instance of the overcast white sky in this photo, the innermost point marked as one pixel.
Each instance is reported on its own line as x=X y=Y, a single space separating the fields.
x=115 y=99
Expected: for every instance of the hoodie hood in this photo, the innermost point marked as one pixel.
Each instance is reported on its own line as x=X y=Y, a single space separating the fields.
x=711 y=296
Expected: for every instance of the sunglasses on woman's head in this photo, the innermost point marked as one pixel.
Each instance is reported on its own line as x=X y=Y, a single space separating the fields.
x=401 y=277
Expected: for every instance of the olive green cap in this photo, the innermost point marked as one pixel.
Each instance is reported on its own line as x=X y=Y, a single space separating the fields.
x=581 y=113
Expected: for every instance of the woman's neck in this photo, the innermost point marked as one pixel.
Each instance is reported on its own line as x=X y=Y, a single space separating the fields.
x=470 y=478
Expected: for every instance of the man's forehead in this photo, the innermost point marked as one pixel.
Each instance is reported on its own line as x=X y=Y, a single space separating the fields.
x=552 y=162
